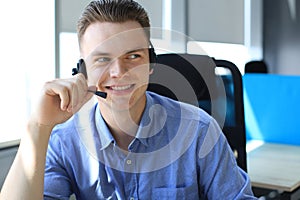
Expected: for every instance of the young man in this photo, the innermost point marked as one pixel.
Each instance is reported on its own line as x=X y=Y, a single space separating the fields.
x=131 y=145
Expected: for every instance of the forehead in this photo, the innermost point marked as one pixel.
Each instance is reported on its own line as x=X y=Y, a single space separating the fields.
x=113 y=37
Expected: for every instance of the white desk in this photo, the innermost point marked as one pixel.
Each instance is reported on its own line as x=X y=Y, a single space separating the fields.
x=275 y=166
x=8 y=144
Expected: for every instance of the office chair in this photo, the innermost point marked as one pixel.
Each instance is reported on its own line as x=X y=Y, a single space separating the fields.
x=213 y=85
x=256 y=66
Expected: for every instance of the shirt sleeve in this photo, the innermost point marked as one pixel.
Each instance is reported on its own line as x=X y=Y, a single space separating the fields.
x=220 y=177
x=56 y=182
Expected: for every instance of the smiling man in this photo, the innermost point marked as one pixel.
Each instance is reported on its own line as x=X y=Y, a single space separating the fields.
x=133 y=144
x=117 y=62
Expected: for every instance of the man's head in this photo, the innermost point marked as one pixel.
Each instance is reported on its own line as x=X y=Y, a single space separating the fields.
x=115 y=11
x=114 y=38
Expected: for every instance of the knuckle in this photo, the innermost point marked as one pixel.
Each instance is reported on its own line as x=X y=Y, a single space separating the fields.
x=65 y=90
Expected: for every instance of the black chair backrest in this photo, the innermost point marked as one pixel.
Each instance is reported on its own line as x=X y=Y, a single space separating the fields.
x=213 y=85
x=256 y=66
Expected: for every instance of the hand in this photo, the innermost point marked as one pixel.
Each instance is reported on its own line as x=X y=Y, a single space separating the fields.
x=60 y=99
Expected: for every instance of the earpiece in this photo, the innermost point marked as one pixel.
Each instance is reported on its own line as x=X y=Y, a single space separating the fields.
x=81 y=68
x=74 y=71
x=152 y=56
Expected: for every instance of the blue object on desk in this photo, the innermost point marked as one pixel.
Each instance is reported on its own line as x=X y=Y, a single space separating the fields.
x=272 y=108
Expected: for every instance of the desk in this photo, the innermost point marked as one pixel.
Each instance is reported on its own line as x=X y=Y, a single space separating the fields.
x=9 y=144
x=275 y=166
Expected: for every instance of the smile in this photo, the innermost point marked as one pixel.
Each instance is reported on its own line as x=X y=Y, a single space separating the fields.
x=121 y=88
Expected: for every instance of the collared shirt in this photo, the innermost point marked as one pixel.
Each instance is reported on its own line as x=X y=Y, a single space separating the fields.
x=179 y=152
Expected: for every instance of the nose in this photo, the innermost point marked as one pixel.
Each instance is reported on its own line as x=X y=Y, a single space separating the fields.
x=117 y=69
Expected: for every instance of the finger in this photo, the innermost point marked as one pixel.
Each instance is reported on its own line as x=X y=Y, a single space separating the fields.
x=71 y=92
x=82 y=84
x=86 y=98
x=54 y=88
x=74 y=97
x=78 y=92
x=92 y=88
x=65 y=98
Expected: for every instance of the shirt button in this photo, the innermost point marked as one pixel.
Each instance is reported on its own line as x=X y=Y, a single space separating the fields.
x=129 y=163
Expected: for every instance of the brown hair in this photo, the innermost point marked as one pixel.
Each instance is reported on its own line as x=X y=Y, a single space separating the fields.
x=112 y=11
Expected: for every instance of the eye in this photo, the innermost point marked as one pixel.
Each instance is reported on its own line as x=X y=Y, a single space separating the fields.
x=133 y=56
x=103 y=60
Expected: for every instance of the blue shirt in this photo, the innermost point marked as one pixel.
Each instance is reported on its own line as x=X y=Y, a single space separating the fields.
x=179 y=152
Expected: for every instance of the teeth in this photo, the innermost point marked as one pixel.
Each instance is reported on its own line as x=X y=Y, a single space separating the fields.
x=121 y=87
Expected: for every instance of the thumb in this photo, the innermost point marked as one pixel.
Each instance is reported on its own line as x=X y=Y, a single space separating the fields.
x=92 y=88
x=87 y=97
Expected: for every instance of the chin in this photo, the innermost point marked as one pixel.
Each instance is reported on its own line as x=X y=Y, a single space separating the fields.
x=135 y=101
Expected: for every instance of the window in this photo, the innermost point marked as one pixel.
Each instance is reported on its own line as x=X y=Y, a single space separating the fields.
x=27 y=60
x=69 y=53
x=236 y=53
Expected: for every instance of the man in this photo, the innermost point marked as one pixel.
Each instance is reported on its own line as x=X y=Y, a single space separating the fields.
x=132 y=144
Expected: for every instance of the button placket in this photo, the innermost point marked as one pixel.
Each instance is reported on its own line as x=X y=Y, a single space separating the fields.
x=129 y=163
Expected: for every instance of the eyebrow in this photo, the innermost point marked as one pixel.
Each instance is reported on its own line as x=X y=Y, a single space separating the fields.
x=126 y=52
x=135 y=50
x=96 y=53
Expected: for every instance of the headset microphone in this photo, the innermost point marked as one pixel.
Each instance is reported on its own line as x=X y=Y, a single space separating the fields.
x=81 y=68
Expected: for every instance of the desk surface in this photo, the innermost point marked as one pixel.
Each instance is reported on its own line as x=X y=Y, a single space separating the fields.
x=8 y=144
x=274 y=166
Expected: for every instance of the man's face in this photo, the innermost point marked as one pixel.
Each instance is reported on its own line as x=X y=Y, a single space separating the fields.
x=117 y=61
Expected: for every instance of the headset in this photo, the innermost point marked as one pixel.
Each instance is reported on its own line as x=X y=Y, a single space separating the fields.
x=81 y=68
x=152 y=55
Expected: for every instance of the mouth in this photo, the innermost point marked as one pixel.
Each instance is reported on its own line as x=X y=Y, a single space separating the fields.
x=120 y=88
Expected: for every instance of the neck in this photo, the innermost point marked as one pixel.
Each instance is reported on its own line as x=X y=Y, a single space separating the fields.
x=123 y=124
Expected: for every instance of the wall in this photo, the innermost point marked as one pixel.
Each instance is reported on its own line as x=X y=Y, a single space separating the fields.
x=209 y=21
x=216 y=21
x=68 y=13
x=282 y=36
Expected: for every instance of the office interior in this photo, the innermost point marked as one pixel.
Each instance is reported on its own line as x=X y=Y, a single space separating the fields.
x=40 y=44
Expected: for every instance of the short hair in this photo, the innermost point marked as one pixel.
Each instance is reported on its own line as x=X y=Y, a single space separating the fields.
x=112 y=11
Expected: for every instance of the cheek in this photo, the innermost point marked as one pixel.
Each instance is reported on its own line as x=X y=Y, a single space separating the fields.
x=95 y=76
x=142 y=71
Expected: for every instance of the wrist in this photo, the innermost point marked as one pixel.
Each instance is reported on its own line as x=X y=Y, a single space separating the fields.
x=38 y=130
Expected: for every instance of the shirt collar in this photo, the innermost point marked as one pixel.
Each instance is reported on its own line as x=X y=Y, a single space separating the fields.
x=104 y=133
x=148 y=125
x=143 y=131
